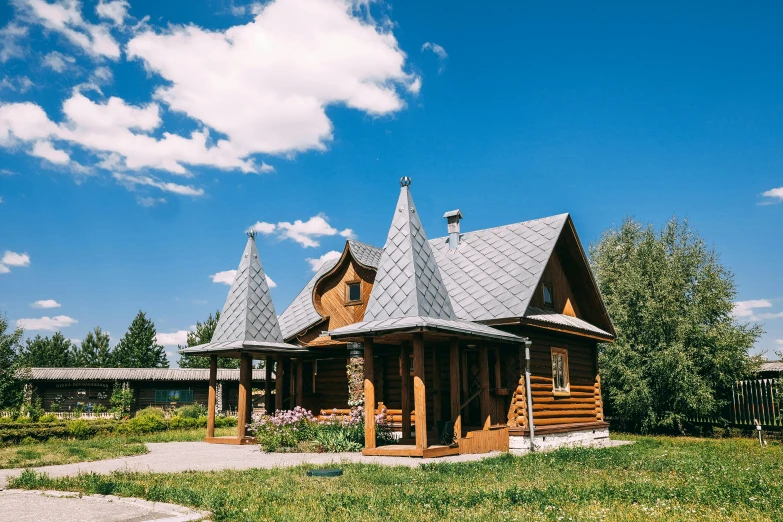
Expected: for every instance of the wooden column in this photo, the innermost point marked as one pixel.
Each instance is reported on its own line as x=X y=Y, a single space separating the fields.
x=436 y=392
x=419 y=391
x=279 y=382
x=405 y=392
x=299 y=388
x=212 y=400
x=268 y=403
x=243 y=393
x=249 y=386
x=454 y=379
x=484 y=381
x=369 y=395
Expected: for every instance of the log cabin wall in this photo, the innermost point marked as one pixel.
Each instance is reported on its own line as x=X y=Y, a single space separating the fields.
x=564 y=299
x=331 y=385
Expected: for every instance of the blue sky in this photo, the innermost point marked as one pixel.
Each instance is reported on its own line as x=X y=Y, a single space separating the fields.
x=138 y=140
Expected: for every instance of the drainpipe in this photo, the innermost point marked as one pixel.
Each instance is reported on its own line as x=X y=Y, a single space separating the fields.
x=528 y=395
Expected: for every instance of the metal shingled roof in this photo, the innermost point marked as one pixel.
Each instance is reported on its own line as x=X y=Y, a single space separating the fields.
x=408 y=282
x=365 y=254
x=537 y=314
x=398 y=324
x=249 y=314
x=136 y=374
x=771 y=366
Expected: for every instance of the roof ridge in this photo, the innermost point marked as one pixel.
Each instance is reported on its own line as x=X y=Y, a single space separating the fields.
x=566 y=214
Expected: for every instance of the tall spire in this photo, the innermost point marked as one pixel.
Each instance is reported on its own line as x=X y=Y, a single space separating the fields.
x=248 y=314
x=408 y=282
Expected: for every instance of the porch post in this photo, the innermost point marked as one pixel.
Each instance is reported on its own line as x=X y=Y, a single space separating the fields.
x=268 y=404
x=299 y=387
x=454 y=380
x=405 y=393
x=436 y=391
x=419 y=391
x=369 y=395
x=484 y=381
x=242 y=400
x=212 y=400
x=279 y=382
x=249 y=388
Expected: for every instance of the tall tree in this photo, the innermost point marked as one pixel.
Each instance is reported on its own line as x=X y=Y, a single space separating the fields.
x=47 y=352
x=138 y=348
x=679 y=349
x=94 y=351
x=11 y=388
x=203 y=334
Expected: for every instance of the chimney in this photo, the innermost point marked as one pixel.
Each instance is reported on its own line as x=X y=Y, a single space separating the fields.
x=453 y=217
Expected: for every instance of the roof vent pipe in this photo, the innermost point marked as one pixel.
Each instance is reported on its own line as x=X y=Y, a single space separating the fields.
x=453 y=217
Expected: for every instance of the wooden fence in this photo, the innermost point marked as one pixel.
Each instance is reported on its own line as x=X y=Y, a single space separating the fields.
x=752 y=400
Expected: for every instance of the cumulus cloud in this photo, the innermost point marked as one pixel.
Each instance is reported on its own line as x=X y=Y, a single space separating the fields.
x=316 y=263
x=227 y=278
x=115 y=11
x=15 y=259
x=11 y=38
x=180 y=337
x=262 y=227
x=303 y=232
x=4 y=269
x=64 y=17
x=46 y=303
x=183 y=190
x=45 y=150
x=20 y=84
x=748 y=310
x=774 y=195
x=58 y=62
x=46 y=323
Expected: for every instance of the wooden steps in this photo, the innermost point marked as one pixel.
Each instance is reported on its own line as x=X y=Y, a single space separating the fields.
x=233 y=440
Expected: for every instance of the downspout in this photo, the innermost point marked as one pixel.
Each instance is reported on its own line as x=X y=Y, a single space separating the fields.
x=528 y=396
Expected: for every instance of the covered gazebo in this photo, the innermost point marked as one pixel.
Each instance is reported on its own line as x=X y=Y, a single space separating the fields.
x=409 y=307
x=247 y=330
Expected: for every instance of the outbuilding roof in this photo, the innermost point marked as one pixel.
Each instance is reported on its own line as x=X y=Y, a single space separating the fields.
x=134 y=374
x=771 y=366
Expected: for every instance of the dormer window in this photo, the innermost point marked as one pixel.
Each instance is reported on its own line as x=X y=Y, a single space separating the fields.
x=353 y=292
x=549 y=296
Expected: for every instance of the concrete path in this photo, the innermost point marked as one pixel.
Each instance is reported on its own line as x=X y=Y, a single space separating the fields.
x=17 y=505
x=174 y=457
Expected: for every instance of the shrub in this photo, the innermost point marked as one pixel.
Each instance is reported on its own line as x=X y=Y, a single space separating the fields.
x=225 y=422
x=47 y=418
x=151 y=411
x=99 y=408
x=284 y=429
x=80 y=429
x=193 y=411
x=121 y=401
x=148 y=420
x=35 y=410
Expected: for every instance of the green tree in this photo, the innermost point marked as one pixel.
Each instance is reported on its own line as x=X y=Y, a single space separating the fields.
x=679 y=349
x=202 y=335
x=94 y=351
x=138 y=348
x=11 y=388
x=47 y=352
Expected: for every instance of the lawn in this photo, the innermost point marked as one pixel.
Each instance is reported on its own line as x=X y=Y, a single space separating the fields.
x=59 y=451
x=657 y=478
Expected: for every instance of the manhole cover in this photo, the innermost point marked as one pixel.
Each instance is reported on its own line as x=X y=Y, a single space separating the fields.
x=324 y=473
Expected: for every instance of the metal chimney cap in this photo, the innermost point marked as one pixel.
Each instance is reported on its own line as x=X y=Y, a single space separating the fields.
x=453 y=213
x=405 y=181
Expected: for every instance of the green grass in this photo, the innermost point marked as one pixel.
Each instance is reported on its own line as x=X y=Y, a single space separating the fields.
x=59 y=451
x=658 y=478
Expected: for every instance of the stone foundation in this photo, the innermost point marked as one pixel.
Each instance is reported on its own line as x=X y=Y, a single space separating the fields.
x=520 y=445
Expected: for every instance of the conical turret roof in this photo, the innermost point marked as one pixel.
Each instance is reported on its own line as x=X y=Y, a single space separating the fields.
x=248 y=321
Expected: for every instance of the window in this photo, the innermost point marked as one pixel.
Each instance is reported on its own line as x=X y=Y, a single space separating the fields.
x=173 y=396
x=353 y=292
x=549 y=296
x=560 y=383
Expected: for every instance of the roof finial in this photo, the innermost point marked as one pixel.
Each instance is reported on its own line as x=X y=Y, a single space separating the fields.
x=251 y=234
x=405 y=181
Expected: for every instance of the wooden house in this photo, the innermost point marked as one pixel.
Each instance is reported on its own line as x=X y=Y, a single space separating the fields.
x=475 y=341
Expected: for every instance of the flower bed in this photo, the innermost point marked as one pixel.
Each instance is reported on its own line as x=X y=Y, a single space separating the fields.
x=298 y=430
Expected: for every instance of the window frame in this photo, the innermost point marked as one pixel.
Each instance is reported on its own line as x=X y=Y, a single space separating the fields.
x=348 y=285
x=544 y=287
x=183 y=394
x=560 y=391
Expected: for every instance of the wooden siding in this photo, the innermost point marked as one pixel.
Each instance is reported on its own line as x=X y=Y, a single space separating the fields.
x=330 y=293
x=564 y=299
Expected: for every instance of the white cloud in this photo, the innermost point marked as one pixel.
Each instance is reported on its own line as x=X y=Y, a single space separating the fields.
x=11 y=37
x=746 y=308
x=64 y=17
x=779 y=341
x=57 y=61
x=763 y=317
x=305 y=232
x=15 y=259
x=45 y=150
x=183 y=190
x=348 y=233
x=115 y=11
x=439 y=51
x=263 y=227
x=46 y=303
x=20 y=84
x=4 y=269
x=775 y=194
x=266 y=168
x=227 y=278
x=150 y=202
x=46 y=323
x=179 y=337
x=317 y=263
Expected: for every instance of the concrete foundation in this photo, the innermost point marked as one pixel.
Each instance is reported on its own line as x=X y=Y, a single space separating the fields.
x=520 y=445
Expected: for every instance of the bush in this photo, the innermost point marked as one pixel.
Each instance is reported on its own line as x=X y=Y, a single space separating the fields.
x=47 y=418
x=80 y=429
x=284 y=429
x=151 y=411
x=225 y=422
x=148 y=420
x=194 y=411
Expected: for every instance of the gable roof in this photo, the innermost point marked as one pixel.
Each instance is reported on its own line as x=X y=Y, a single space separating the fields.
x=408 y=282
x=491 y=275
